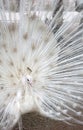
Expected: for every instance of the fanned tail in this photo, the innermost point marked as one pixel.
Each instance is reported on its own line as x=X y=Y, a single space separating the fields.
x=43 y=38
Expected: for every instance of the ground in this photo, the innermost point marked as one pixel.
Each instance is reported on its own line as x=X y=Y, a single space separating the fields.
x=33 y=121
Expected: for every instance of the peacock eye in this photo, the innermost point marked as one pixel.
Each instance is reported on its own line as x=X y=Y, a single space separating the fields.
x=28 y=80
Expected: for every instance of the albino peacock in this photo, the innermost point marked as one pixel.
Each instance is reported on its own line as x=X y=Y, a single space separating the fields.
x=41 y=60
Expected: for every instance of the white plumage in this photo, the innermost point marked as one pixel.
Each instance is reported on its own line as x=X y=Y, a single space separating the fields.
x=40 y=70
